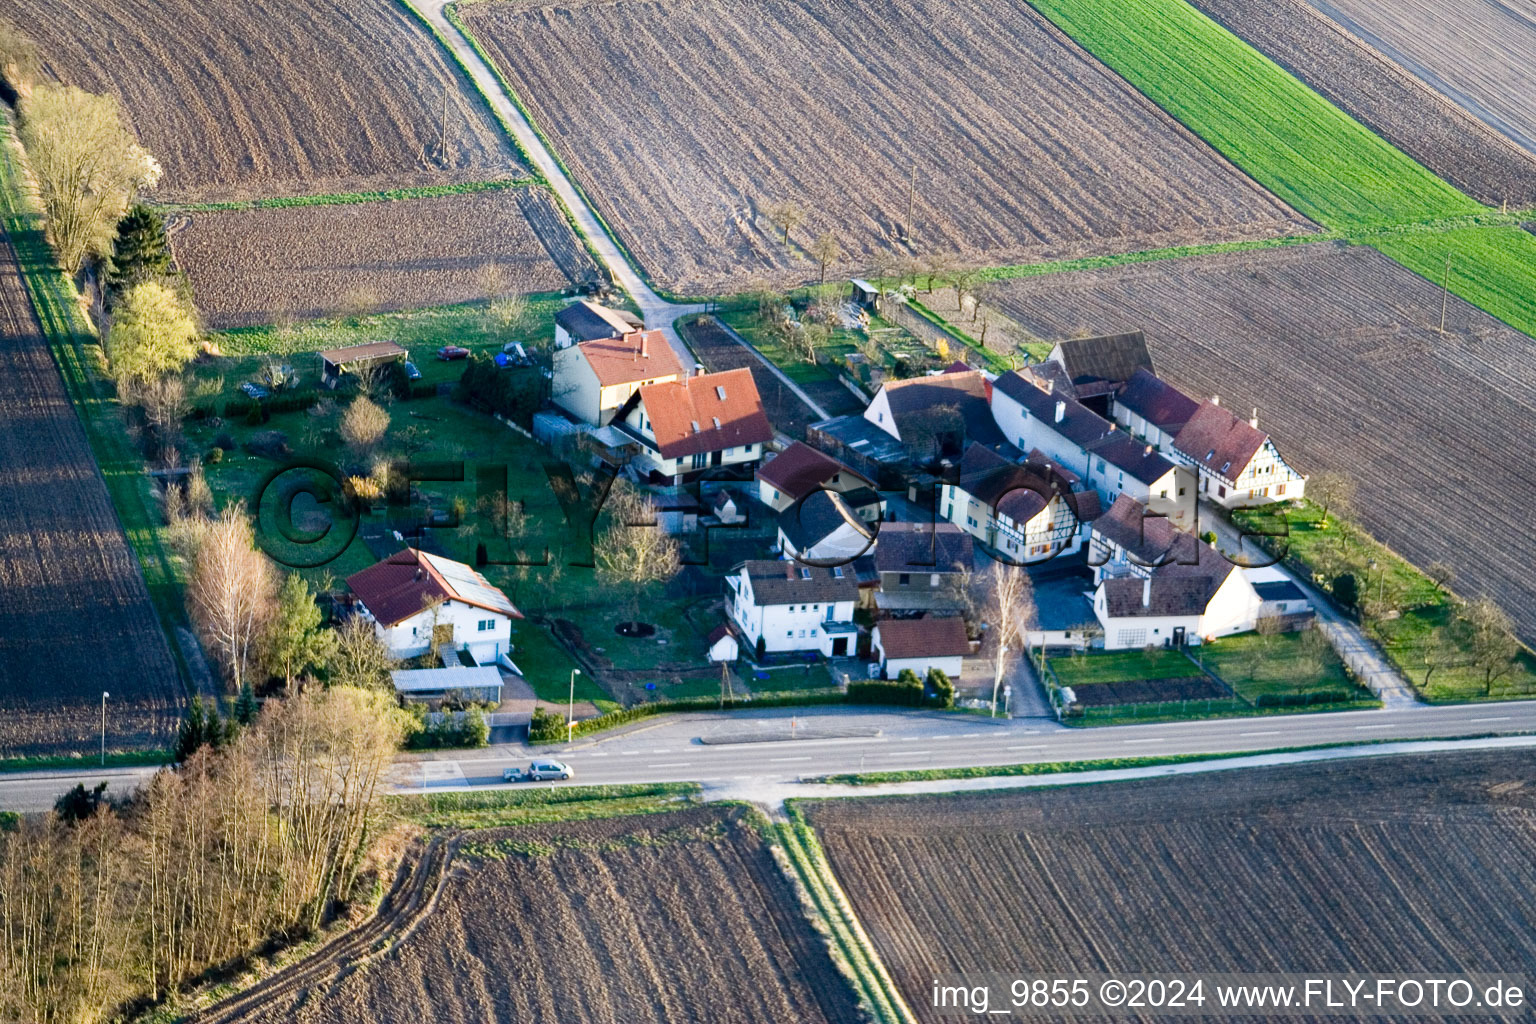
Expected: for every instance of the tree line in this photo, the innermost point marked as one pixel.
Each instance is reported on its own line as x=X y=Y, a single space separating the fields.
x=105 y=906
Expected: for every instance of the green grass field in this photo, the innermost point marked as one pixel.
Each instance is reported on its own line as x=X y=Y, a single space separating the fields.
x=1493 y=268
x=1121 y=666
x=1255 y=665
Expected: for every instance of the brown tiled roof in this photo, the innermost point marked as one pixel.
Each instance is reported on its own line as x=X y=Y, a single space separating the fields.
x=1150 y=540
x=1178 y=588
x=1097 y=365
x=637 y=356
x=927 y=637
x=717 y=634
x=1078 y=424
x=966 y=390
x=706 y=413
x=1018 y=492
x=406 y=582
x=922 y=547
x=785 y=582
x=1219 y=442
x=800 y=469
x=1139 y=459
x=1156 y=401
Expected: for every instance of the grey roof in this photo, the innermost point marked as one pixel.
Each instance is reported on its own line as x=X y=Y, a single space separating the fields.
x=923 y=547
x=1149 y=540
x=809 y=522
x=1156 y=401
x=460 y=677
x=1098 y=365
x=1078 y=423
x=1137 y=458
x=783 y=582
x=862 y=438
x=1279 y=590
x=588 y=321
x=1166 y=595
x=966 y=390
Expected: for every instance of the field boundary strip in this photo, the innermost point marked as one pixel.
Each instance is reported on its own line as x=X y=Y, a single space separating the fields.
x=54 y=301
x=451 y=12
x=847 y=940
x=349 y=198
x=1311 y=154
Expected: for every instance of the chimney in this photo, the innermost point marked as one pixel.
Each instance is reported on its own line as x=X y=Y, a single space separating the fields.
x=1215 y=399
x=698 y=369
x=1050 y=386
x=1254 y=420
x=1146 y=592
x=1061 y=411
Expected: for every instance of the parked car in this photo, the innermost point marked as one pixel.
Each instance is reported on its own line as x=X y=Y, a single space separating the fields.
x=448 y=353
x=254 y=390
x=538 y=772
x=411 y=373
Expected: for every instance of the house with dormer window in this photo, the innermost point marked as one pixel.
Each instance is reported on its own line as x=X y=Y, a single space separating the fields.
x=687 y=427
x=1238 y=464
x=780 y=607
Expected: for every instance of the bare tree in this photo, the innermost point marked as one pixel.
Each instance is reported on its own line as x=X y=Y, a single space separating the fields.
x=936 y=266
x=785 y=216
x=364 y=425
x=1441 y=574
x=1010 y=609
x=1332 y=492
x=18 y=58
x=231 y=591
x=165 y=405
x=632 y=550
x=1489 y=637
x=358 y=657
x=825 y=250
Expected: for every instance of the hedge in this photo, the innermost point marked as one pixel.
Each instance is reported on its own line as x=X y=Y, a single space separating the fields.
x=556 y=733
x=1301 y=700
x=905 y=692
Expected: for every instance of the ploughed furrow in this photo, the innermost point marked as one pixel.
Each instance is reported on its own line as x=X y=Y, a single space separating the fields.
x=75 y=614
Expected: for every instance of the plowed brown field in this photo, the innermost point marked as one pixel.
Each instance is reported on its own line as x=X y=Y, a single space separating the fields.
x=1382 y=95
x=282 y=97
x=681 y=120
x=1380 y=865
x=75 y=616
x=669 y=918
x=260 y=266
x=1339 y=351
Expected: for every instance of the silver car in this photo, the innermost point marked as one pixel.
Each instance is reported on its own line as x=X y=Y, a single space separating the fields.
x=539 y=771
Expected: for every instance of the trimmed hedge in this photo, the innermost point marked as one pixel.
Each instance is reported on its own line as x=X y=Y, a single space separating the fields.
x=555 y=733
x=903 y=692
x=1301 y=700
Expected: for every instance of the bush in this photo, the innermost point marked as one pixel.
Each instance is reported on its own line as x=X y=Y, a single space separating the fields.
x=940 y=690
x=455 y=729
x=226 y=442
x=272 y=444
x=1301 y=700
x=256 y=415
x=906 y=691
x=1346 y=590
x=515 y=394
x=213 y=455
x=546 y=726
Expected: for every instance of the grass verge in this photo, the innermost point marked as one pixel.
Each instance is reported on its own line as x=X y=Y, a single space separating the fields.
x=347 y=198
x=115 y=759
x=496 y=808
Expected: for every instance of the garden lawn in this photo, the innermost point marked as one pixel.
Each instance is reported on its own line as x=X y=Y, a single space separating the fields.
x=1254 y=665
x=1121 y=666
x=547 y=667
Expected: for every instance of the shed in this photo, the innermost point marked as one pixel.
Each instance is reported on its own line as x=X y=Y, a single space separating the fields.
x=865 y=295
x=422 y=684
x=336 y=361
x=921 y=644
x=722 y=644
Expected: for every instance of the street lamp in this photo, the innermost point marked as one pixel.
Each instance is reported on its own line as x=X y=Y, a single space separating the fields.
x=570 y=708
x=104 y=696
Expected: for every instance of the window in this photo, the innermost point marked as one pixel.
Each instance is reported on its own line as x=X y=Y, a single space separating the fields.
x=1132 y=638
x=1101 y=465
x=1221 y=492
x=813 y=632
x=904 y=578
x=789 y=632
x=815 y=607
x=805 y=574
x=1279 y=490
x=933 y=579
x=837 y=572
x=700 y=460
x=1163 y=493
x=486 y=625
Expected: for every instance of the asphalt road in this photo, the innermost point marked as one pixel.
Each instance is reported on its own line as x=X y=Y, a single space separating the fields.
x=783 y=745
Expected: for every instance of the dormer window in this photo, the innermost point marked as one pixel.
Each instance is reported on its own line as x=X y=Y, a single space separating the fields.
x=805 y=574
x=720 y=392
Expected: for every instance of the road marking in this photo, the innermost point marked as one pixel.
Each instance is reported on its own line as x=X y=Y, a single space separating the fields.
x=1474 y=721
x=628 y=753
x=661 y=751
x=603 y=754
x=1154 y=739
x=1272 y=732
x=904 y=753
x=1389 y=725
x=789 y=759
x=670 y=764
x=1040 y=746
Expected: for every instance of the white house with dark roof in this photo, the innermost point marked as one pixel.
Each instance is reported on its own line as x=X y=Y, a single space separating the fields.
x=800 y=469
x=920 y=644
x=593 y=379
x=1150 y=408
x=1238 y=464
x=1024 y=512
x=922 y=567
x=1119 y=464
x=590 y=321
x=780 y=607
x=686 y=427
x=824 y=529
x=1179 y=603
x=1034 y=412
x=420 y=602
x=938 y=414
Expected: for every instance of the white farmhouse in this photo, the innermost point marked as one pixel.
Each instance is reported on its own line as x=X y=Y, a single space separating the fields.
x=1152 y=409
x=800 y=469
x=420 y=602
x=920 y=644
x=1035 y=411
x=1026 y=513
x=1238 y=464
x=939 y=414
x=685 y=427
x=1176 y=604
x=781 y=606
x=593 y=379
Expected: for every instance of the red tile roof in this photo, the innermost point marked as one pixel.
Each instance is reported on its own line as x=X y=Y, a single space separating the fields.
x=928 y=637
x=406 y=582
x=637 y=356
x=706 y=413
x=1219 y=442
x=800 y=469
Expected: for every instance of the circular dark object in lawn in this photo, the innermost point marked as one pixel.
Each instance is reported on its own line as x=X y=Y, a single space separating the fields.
x=635 y=630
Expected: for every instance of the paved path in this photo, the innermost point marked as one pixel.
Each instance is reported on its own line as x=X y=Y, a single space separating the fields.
x=658 y=312
x=1362 y=656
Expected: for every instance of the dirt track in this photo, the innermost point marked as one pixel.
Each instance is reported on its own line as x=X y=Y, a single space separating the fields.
x=1338 y=349
x=671 y=917
x=1382 y=866
x=683 y=120
x=75 y=617
x=282 y=97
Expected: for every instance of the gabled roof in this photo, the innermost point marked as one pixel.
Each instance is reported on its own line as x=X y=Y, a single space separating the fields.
x=406 y=582
x=1219 y=442
x=1178 y=588
x=717 y=634
x=587 y=321
x=1097 y=366
x=966 y=390
x=1020 y=492
x=1140 y=460
x=923 y=548
x=1078 y=423
x=800 y=469
x=927 y=637
x=706 y=413
x=1148 y=539
x=366 y=352
x=637 y=356
x=1156 y=401
x=807 y=523
x=782 y=582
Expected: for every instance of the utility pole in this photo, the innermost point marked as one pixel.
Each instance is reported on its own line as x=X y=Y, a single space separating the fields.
x=726 y=692
x=570 y=708
x=1445 y=292
x=104 y=696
